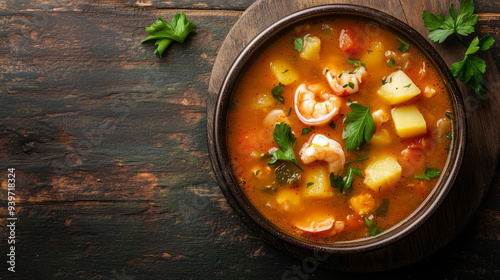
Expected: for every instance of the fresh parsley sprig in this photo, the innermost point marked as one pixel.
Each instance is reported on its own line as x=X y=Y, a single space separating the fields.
x=165 y=33
x=286 y=141
x=277 y=92
x=471 y=69
x=430 y=173
x=359 y=127
x=344 y=183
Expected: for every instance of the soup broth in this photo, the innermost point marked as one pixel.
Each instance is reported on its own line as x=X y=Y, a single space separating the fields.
x=322 y=79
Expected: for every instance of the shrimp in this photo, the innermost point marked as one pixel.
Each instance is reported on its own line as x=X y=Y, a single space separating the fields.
x=274 y=117
x=379 y=117
x=345 y=83
x=320 y=147
x=315 y=106
x=321 y=224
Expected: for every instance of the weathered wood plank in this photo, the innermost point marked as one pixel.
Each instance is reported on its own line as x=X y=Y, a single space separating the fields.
x=113 y=173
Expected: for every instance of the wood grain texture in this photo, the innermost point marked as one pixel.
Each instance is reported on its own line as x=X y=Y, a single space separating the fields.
x=109 y=143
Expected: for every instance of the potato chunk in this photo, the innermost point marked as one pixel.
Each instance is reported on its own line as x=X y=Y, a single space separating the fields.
x=381 y=138
x=382 y=173
x=310 y=50
x=362 y=204
x=319 y=176
x=398 y=89
x=289 y=199
x=284 y=71
x=262 y=100
x=409 y=121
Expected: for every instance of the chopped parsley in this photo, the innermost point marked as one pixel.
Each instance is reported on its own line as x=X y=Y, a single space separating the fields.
x=404 y=47
x=332 y=125
x=448 y=115
x=351 y=85
x=277 y=92
x=344 y=183
x=386 y=81
x=298 y=43
x=284 y=71
x=430 y=173
x=450 y=135
x=310 y=184
x=391 y=62
x=286 y=141
x=357 y=160
x=368 y=222
x=307 y=130
x=407 y=86
x=355 y=62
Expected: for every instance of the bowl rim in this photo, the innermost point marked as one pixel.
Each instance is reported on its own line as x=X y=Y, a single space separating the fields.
x=238 y=199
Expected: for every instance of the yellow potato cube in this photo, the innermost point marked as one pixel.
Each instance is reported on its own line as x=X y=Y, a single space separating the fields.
x=284 y=71
x=398 y=88
x=362 y=204
x=381 y=138
x=262 y=100
x=310 y=50
x=409 y=121
x=375 y=57
x=382 y=173
x=320 y=177
x=289 y=199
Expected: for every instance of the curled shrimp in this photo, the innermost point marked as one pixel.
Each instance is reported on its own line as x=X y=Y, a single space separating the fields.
x=314 y=105
x=320 y=147
x=345 y=83
x=274 y=117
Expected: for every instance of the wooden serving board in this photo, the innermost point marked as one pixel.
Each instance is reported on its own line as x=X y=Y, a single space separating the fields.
x=483 y=125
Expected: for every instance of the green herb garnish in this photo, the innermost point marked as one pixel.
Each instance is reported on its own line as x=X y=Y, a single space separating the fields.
x=286 y=141
x=382 y=209
x=310 y=184
x=307 y=130
x=332 y=125
x=277 y=92
x=448 y=115
x=358 y=159
x=407 y=86
x=404 y=47
x=355 y=62
x=386 y=81
x=375 y=230
x=344 y=183
x=368 y=222
x=429 y=173
x=449 y=135
x=391 y=62
x=165 y=33
x=351 y=85
x=471 y=69
x=359 y=127
x=298 y=43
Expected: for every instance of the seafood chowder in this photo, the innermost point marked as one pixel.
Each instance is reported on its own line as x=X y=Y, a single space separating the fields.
x=338 y=129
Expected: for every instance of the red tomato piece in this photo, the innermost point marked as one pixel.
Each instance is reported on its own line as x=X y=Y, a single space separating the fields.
x=353 y=222
x=349 y=43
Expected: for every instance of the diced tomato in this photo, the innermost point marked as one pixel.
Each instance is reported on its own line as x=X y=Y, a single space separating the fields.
x=349 y=42
x=354 y=222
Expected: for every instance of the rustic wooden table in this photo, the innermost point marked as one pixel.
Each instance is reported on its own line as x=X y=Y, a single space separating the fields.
x=108 y=142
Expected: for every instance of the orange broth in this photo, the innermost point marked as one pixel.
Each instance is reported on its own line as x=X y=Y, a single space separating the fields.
x=288 y=205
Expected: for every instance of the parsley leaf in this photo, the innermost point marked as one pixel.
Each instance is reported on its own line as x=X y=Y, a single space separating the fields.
x=429 y=173
x=298 y=43
x=355 y=62
x=404 y=47
x=432 y=172
x=375 y=230
x=277 y=92
x=359 y=127
x=310 y=184
x=307 y=130
x=368 y=222
x=391 y=62
x=344 y=183
x=286 y=141
x=165 y=33
x=386 y=81
x=332 y=124
x=471 y=69
x=463 y=24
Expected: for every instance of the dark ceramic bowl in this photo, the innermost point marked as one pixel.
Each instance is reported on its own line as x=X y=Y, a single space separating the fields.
x=364 y=254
